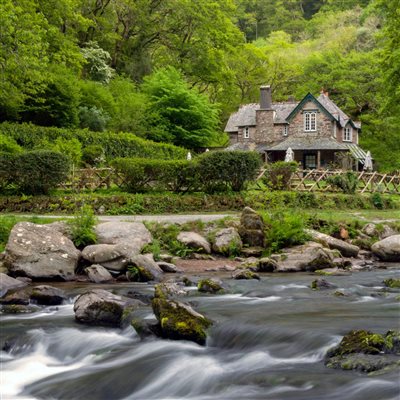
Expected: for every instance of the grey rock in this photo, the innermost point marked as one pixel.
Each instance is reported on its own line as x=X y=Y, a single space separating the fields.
x=8 y=283
x=61 y=226
x=99 y=307
x=245 y=274
x=370 y=230
x=388 y=249
x=252 y=251
x=227 y=241
x=147 y=269
x=194 y=241
x=169 y=267
x=169 y=290
x=18 y=297
x=98 y=274
x=47 y=295
x=40 y=252
x=387 y=231
x=210 y=285
x=251 y=228
x=346 y=249
x=134 y=234
x=266 y=264
x=321 y=284
x=308 y=257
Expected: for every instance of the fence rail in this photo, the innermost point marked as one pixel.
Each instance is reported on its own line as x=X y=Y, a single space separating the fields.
x=368 y=182
x=301 y=180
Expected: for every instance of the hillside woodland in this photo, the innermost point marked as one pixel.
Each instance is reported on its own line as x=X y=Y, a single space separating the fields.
x=173 y=70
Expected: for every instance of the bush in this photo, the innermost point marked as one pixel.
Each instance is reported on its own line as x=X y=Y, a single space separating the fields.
x=36 y=171
x=278 y=174
x=114 y=144
x=142 y=174
x=82 y=227
x=227 y=170
x=93 y=155
x=347 y=182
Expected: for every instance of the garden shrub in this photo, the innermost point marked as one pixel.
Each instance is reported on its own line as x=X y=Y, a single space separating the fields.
x=36 y=171
x=347 y=182
x=113 y=144
x=9 y=145
x=278 y=174
x=93 y=155
x=82 y=227
x=227 y=170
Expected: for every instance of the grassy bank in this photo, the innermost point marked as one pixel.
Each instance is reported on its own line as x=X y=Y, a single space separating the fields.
x=167 y=203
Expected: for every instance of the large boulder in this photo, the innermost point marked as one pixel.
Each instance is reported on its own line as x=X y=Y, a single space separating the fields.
x=245 y=274
x=210 y=285
x=47 y=295
x=388 y=249
x=98 y=274
x=169 y=267
x=251 y=228
x=346 y=249
x=195 y=241
x=365 y=351
x=227 y=241
x=99 y=307
x=133 y=233
x=8 y=283
x=40 y=252
x=143 y=268
x=308 y=257
x=169 y=290
x=178 y=321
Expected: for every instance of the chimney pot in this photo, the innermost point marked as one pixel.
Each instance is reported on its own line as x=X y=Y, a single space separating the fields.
x=265 y=97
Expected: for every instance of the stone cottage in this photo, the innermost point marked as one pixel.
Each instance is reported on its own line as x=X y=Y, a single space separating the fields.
x=316 y=129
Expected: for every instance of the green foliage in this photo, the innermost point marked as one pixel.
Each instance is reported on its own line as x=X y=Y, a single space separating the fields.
x=72 y=148
x=36 y=171
x=9 y=145
x=97 y=59
x=114 y=145
x=178 y=114
x=93 y=155
x=284 y=229
x=82 y=227
x=277 y=175
x=227 y=170
x=346 y=182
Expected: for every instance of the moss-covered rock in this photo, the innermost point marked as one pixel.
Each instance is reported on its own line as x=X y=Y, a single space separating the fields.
x=321 y=284
x=210 y=286
x=168 y=290
x=18 y=309
x=47 y=295
x=245 y=274
x=366 y=351
x=178 y=321
x=392 y=283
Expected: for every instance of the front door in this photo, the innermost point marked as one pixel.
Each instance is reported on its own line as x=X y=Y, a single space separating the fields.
x=310 y=161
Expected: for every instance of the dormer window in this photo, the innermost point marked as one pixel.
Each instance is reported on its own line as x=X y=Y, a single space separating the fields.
x=246 y=132
x=310 y=121
x=285 y=131
x=348 y=134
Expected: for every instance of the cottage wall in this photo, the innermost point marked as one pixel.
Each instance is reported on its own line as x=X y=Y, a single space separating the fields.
x=340 y=136
x=250 y=139
x=324 y=123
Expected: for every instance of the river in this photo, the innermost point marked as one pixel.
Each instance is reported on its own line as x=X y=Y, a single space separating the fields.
x=268 y=342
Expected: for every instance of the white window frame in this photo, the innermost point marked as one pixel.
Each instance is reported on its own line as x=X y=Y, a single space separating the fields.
x=310 y=121
x=246 y=132
x=348 y=134
x=285 y=130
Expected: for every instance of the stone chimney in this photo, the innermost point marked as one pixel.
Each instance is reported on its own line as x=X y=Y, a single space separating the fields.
x=265 y=117
x=265 y=98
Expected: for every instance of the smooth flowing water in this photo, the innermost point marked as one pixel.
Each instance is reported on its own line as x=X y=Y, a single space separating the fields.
x=268 y=342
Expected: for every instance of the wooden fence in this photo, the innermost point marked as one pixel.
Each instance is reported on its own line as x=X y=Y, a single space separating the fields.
x=301 y=180
x=368 y=182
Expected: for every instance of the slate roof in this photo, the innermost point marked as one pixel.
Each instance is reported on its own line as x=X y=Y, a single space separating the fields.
x=307 y=143
x=357 y=152
x=246 y=115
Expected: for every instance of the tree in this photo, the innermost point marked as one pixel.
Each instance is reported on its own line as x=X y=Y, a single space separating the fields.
x=178 y=114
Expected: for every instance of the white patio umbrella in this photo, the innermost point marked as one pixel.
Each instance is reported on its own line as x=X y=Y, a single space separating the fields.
x=189 y=156
x=368 y=161
x=289 y=155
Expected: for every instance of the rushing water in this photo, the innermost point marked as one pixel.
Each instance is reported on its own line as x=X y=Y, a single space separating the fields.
x=268 y=342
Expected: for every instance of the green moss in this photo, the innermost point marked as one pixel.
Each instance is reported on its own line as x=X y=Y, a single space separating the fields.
x=209 y=286
x=392 y=283
x=178 y=323
x=338 y=293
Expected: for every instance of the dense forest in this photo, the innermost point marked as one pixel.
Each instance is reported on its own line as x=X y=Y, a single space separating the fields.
x=173 y=70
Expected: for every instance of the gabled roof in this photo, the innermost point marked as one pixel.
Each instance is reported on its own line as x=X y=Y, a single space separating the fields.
x=307 y=143
x=285 y=111
x=307 y=98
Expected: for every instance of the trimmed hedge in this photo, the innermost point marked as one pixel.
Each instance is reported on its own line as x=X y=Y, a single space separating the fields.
x=114 y=144
x=219 y=171
x=33 y=172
